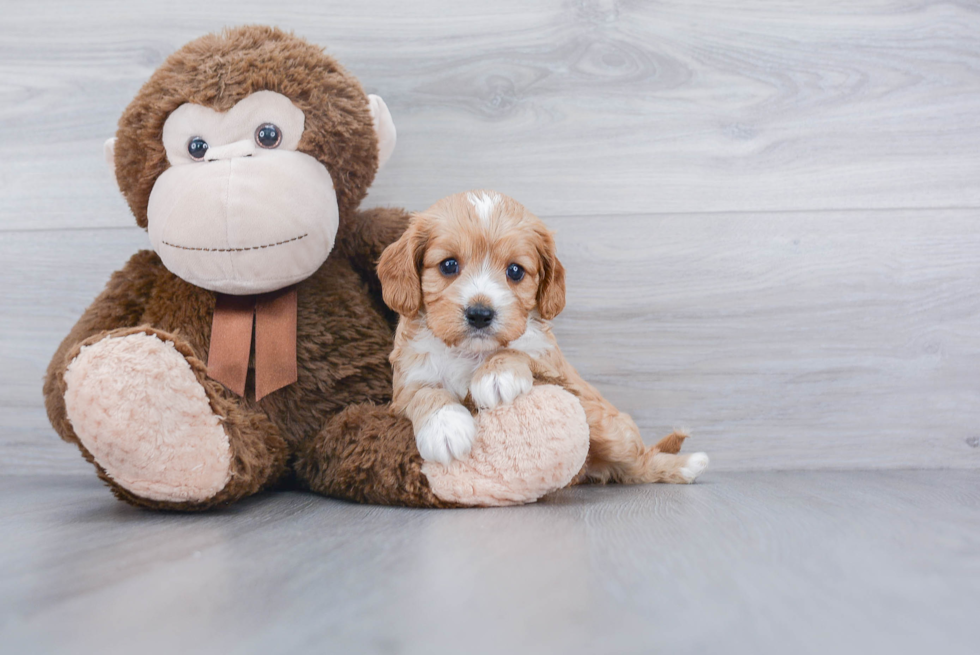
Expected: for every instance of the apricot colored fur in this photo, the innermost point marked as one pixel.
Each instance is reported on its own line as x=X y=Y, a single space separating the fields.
x=485 y=232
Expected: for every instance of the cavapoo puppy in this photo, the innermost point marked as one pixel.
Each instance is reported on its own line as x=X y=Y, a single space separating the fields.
x=476 y=280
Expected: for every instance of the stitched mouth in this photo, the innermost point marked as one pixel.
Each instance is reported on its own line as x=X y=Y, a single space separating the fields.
x=268 y=245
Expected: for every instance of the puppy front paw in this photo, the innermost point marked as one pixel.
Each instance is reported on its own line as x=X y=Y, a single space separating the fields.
x=446 y=435
x=500 y=388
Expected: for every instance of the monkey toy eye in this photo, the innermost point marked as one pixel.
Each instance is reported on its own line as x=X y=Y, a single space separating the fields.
x=268 y=136
x=515 y=272
x=197 y=147
x=449 y=267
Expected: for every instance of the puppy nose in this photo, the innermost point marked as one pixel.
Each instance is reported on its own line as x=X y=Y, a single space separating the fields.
x=479 y=316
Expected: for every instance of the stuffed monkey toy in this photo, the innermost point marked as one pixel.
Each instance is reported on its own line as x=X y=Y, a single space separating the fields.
x=249 y=349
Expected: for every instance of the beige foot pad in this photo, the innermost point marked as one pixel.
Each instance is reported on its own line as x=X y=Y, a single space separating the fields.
x=137 y=407
x=523 y=451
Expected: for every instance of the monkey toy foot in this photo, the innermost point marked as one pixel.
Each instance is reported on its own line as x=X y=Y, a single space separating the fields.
x=139 y=409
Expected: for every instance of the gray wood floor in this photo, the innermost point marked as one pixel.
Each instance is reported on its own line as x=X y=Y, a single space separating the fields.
x=778 y=562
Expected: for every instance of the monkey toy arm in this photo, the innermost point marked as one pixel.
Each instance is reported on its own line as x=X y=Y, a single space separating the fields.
x=364 y=238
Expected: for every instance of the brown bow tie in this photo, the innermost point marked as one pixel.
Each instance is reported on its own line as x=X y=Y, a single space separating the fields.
x=274 y=315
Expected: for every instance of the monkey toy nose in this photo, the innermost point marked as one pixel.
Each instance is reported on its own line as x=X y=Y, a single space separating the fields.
x=243 y=148
x=479 y=316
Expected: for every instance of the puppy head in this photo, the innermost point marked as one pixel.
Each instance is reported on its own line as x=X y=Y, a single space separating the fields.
x=476 y=265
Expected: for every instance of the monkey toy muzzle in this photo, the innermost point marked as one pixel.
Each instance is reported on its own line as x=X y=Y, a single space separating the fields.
x=240 y=210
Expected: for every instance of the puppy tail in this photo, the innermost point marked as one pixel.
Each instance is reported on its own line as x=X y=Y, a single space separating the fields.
x=672 y=442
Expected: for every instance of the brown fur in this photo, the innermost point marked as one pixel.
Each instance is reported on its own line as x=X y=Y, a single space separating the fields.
x=219 y=70
x=331 y=428
x=430 y=301
x=671 y=443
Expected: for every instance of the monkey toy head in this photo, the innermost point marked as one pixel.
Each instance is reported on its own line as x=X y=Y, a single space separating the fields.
x=242 y=155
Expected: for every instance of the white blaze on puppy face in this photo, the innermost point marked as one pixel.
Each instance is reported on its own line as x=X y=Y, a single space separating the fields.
x=485 y=234
x=484 y=202
x=486 y=285
x=245 y=217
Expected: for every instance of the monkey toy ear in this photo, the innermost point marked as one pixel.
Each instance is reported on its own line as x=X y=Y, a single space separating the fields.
x=384 y=127
x=109 y=152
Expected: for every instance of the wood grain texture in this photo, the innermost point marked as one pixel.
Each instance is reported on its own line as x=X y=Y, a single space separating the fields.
x=794 y=340
x=574 y=107
x=795 y=562
x=770 y=216
x=769 y=210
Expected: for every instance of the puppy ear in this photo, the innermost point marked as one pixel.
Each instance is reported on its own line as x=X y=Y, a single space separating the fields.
x=551 y=289
x=398 y=270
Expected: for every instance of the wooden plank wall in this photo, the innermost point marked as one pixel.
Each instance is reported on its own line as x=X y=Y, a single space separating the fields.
x=768 y=210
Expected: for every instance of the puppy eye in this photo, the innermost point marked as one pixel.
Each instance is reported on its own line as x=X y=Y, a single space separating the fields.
x=449 y=267
x=515 y=272
x=196 y=148
x=268 y=136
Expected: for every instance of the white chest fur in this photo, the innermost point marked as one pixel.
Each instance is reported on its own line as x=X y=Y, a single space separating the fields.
x=453 y=368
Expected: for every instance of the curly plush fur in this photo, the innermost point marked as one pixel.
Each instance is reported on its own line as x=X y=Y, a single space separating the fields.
x=330 y=431
x=129 y=385
x=217 y=71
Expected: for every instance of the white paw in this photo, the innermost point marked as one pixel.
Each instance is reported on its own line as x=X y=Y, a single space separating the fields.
x=694 y=466
x=446 y=435
x=495 y=389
